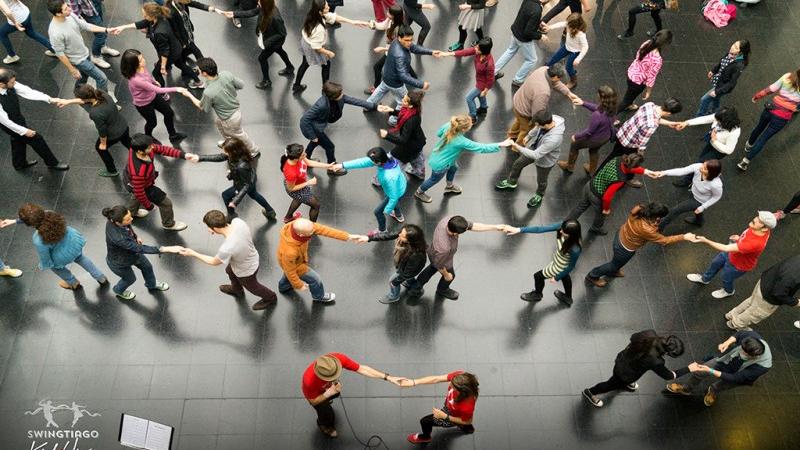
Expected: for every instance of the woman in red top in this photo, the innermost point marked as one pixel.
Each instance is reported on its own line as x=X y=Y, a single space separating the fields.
x=484 y=75
x=294 y=166
x=459 y=405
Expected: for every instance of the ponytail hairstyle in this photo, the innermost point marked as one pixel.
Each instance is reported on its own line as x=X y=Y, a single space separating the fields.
x=571 y=230
x=744 y=50
x=115 y=213
x=293 y=151
x=467 y=386
x=267 y=11
x=87 y=93
x=236 y=150
x=415 y=99
x=458 y=125
x=398 y=19
x=378 y=155
x=671 y=346
x=52 y=228
x=156 y=11
x=659 y=42
x=608 y=100
x=314 y=16
x=576 y=24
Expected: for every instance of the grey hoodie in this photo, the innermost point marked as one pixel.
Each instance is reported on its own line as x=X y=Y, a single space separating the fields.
x=548 y=149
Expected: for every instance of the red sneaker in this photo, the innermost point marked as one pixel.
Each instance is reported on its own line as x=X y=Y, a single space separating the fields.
x=295 y=216
x=416 y=439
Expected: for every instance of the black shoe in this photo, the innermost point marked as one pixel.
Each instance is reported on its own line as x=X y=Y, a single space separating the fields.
x=563 y=298
x=693 y=221
x=531 y=296
x=482 y=111
x=264 y=85
x=59 y=166
x=177 y=137
x=287 y=72
x=499 y=75
x=598 y=231
x=449 y=294
x=298 y=88
x=624 y=36
x=27 y=164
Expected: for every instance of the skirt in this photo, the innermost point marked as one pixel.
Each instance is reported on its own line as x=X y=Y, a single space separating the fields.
x=471 y=20
x=301 y=195
x=313 y=57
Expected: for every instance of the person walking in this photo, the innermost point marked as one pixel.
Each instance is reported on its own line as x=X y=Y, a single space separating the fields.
x=644 y=352
x=271 y=35
x=446 y=152
x=149 y=95
x=778 y=286
x=525 y=31
x=568 y=250
x=92 y=12
x=653 y=7
x=470 y=18
x=793 y=207
x=407 y=135
x=724 y=76
x=484 y=76
x=396 y=73
x=777 y=113
x=644 y=69
x=242 y=172
x=441 y=251
x=390 y=178
x=412 y=11
x=706 y=191
x=13 y=123
x=58 y=245
x=599 y=130
x=294 y=261
x=394 y=20
x=239 y=254
x=126 y=251
x=737 y=257
x=19 y=19
x=181 y=21
x=534 y=96
x=575 y=6
x=409 y=257
x=140 y=179
x=459 y=404
x=749 y=359
x=641 y=227
x=721 y=139
x=294 y=165
x=574 y=46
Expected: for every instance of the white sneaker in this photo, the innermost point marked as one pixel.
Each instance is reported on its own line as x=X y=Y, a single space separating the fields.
x=177 y=226
x=10 y=59
x=722 y=293
x=220 y=143
x=327 y=298
x=141 y=213
x=196 y=84
x=797 y=323
x=49 y=53
x=100 y=62
x=11 y=273
x=108 y=51
x=696 y=278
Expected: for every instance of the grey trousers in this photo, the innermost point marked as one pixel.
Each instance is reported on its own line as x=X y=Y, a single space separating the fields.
x=541 y=173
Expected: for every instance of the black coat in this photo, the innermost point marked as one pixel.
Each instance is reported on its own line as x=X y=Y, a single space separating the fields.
x=629 y=367
x=728 y=77
x=241 y=173
x=410 y=141
x=526 y=25
x=780 y=284
x=408 y=267
x=179 y=26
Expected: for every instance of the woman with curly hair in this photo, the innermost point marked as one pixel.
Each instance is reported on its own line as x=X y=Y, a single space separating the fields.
x=409 y=257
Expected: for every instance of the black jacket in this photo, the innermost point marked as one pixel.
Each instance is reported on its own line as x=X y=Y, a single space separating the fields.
x=408 y=267
x=526 y=26
x=241 y=173
x=184 y=28
x=629 y=368
x=247 y=8
x=275 y=34
x=780 y=284
x=163 y=37
x=123 y=248
x=410 y=141
x=728 y=77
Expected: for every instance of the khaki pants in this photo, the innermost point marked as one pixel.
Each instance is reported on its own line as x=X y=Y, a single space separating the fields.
x=232 y=128
x=752 y=311
x=520 y=128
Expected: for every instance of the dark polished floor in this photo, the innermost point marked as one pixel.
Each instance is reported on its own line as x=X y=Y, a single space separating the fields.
x=229 y=378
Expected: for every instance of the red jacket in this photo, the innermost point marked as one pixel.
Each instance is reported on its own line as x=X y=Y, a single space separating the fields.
x=143 y=174
x=484 y=68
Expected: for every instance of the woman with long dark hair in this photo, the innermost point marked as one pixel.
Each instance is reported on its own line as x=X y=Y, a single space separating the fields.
x=644 y=69
x=294 y=165
x=724 y=76
x=597 y=132
x=242 y=172
x=459 y=405
x=706 y=190
x=645 y=352
x=568 y=243
x=409 y=257
x=182 y=24
x=407 y=135
x=720 y=140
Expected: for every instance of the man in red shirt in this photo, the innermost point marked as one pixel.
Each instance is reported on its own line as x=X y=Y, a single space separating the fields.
x=739 y=256
x=321 y=385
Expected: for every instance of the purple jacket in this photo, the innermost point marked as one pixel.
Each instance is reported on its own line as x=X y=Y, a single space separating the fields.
x=601 y=125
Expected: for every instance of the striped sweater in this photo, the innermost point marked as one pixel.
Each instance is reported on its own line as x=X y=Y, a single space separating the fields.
x=787 y=99
x=143 y=173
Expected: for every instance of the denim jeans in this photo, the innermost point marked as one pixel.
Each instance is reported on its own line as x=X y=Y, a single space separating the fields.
x=127 y=277
x=394 y=287
x=729 y=273
x=528 y=52
x=2 y=264
x=326 y=143
x=437 y=175
x=380 y=216
x=708 y=104
x=562 y=53
x=768 y=125
x=383 y=89
x=99 y=38
x=83 y=261
x=621 y=257
x=230 y=193
x=311 y=278
x=7 y=29
x=88 y=69
x=471 y=96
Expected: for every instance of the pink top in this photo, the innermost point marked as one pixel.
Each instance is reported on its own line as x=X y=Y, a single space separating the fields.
x=144 y=88
x=646 y=70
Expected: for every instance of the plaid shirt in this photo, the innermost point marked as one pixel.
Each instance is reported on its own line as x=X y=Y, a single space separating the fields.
x=84 y=7
x=636 y=131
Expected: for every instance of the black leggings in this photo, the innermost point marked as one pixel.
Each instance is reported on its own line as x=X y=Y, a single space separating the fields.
x=416 y=15
x=326 y=143
x=538 y=283
x=612 y=384
x=574 y=6
x=105 y=155
x=634 y=90
x=149 y=113
x=428 y=422
x=462 y=34
x=655 y=13
x=313 y=213
x=263 y=59
x=192 y=49
x=793 y=203
x=186 y=72
x=301 y=72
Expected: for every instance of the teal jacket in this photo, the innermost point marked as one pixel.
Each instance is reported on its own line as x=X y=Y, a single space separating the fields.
x=390 y=176
x=444 y=156
x=62 y=253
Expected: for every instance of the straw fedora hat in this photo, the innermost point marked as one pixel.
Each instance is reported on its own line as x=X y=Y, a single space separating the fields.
x=328 y=368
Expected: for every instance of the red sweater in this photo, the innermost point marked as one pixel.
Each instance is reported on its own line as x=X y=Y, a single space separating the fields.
x=484 y=68
x=143 y=174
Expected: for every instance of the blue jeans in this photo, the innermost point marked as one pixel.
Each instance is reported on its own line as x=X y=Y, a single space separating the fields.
x=621 y=257
x=381 y=217
x=528 y=52
x=88 y=69
x=471 y=96
x=7 y=29
x=83 y=261
x=311 y=278
x=2 y=264
x=395 y=284
x=99 y=38
x=383 y=89
x=708 y=104
x=768 y=125
x=437 y=175
x=127 y=277
x=230 y=193
x=562 y=53
x=729 y=273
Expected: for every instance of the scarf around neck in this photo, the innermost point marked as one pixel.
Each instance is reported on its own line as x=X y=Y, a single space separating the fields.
x=403 y=115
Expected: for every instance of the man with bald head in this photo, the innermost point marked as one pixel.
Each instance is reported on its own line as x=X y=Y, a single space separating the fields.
x=293 y=257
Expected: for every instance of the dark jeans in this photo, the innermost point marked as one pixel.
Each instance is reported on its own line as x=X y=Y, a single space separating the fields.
x=541 y=173
x=593 y=201
x=230 y=193
x=263 y=59
x=127 y=277
x=377 y=70
x=164 y=207
x=149 y=113
x=7 y=29
x=418 y=16
x=99 y=38
x=538 y=283
x=639 y=9
x=721 y=262
x=631 y=93
x=301 y=72
x=768 y=125
x=621 y=257
x=574 y=6
x=380 y=217
x=612 y=384
x=105 y=155
x=708 y=152
x=19 y=154
x=326 y=143
x=250 y=283
x=426 y=275
x=690 y=204
x=793 y=203
x=428 y=422
x=325 y=414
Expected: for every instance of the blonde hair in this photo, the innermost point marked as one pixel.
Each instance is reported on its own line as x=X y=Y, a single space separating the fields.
x=458 y=125
x=576 y=24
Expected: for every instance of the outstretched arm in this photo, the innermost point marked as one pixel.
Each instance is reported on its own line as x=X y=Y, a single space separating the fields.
x=476 y=226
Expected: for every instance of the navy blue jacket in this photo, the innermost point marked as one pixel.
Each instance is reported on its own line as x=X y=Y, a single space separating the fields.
x=123 y=247
x=317 y=118
x=397 y=68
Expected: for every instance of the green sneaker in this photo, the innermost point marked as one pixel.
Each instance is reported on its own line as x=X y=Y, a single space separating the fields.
x=127 y=295
x=107 y=174
x=535 y=201
x=505 y=185
x=160 y=286
x=456 y=47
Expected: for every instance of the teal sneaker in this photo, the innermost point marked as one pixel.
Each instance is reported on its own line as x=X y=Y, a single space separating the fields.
x=456 y=47
x=506 y=185
x=535 y=201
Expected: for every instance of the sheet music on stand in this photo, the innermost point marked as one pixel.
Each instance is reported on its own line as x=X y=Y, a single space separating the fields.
x=142 y=433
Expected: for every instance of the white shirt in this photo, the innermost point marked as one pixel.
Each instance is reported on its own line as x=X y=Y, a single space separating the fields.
x=705 y=192
x=576 y=44
x=238 y=250
x=24 y=92
x=319 y=36
x=726 y=139
x=19 y=11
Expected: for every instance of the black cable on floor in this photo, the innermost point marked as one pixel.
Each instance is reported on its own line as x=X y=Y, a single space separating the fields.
x=367 y=445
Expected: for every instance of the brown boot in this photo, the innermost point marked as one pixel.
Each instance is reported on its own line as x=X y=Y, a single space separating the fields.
x=598 y=282
x=66 y=285
x=592 y=166
x=573 y=81
x=566 y=166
